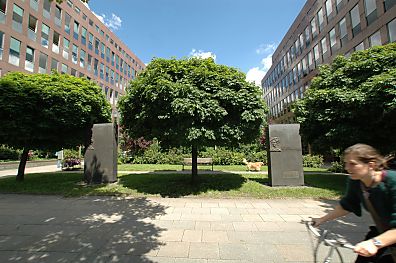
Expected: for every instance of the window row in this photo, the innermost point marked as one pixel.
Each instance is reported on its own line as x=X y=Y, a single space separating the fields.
x=320 y=52
x=79 y=32
x=337 y=36
x=46 y=64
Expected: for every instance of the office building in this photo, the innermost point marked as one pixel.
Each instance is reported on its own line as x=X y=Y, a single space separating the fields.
x=322 y=30
x=39 y=36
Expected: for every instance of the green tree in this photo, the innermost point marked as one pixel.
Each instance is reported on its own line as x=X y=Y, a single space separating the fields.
x=192 y=102
x=352 y=100
x=48 y=112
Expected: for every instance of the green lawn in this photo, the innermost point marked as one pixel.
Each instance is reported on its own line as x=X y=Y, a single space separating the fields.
x=218 y=185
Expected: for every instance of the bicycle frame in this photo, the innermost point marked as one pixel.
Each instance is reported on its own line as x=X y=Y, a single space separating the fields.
x=334 y=244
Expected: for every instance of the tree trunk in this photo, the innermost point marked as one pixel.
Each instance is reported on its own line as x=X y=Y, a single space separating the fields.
x=22 y=164
x=194 y=168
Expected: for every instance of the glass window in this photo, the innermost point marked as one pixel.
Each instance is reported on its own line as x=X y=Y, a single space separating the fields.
x=320 y=19
x=370 y=8
x=55 y=42
x=89 y=62
x=101 y=70
x=29 y=62
x=388 y=4
x=64 y=69
x=392 y=30
x=47 y=8
x=44 y=35
x=333 y=39
x=32 y=23
x=3 y=6
x=359 y=47
x=343 y=28
x=32 y=27
x=17 y=17
x=90 y=41
x=67 y=23
x=33 y=4
x=54 y=64
x=355 y=20
x=316 y=52
x=77 y=10
x=43 y=63
x=69 y=3
x=307 y=36
x=74 y=54
x=313 y=28
x=97 y=46
x=329 y=7
x=1 y=44
x=83 y=35
x=15 y=48
x=66 y=46
x=339 y=5
x=82 y=58
x=375 y=39
x=58 y=16
x=76 y=30
x=323 y=43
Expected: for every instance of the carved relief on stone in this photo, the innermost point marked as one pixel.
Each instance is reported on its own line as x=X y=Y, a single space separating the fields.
x=275 y=145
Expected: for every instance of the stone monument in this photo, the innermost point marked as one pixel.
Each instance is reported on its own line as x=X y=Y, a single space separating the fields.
x=284 y=153
x=100 y=159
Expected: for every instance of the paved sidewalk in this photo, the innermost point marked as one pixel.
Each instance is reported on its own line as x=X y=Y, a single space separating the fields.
x=29 y=170
x=162 y=230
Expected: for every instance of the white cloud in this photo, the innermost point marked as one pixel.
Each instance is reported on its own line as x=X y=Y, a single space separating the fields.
x=202 y=54
x=100 y=17
x=256 y=74
x=86 y=4
x=113 y=23
x=266 y=48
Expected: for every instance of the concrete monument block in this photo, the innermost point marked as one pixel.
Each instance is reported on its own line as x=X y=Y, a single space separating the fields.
x=100 y=160
x=285 y=165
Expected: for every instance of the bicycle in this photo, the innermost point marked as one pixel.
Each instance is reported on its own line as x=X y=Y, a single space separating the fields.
x=334 y=244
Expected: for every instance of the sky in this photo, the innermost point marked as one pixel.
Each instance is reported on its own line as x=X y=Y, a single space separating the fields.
x=237 y=33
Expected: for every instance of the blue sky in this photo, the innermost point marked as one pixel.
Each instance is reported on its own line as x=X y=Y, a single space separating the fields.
x=238 y=33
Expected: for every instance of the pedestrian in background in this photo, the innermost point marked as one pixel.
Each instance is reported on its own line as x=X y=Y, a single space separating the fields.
x=59 y=155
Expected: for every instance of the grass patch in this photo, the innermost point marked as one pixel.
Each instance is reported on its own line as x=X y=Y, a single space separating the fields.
x=219 y=185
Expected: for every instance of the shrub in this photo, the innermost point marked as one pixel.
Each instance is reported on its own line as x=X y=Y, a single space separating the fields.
x=8 y=153
x=337 y=167
x=71 y=159
x=314 y=161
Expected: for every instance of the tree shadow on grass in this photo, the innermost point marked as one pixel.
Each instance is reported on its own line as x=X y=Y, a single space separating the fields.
x=179 y=184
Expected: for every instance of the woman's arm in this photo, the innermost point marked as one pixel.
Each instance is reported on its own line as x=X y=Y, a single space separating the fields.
x=336 y=213
x=368 y=248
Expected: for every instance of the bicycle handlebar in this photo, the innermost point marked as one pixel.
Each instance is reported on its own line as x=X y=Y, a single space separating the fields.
x=329 y=242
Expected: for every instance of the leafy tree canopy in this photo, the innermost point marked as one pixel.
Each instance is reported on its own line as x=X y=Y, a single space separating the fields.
x=40 y=111
x=352 y=100
x=192 y=102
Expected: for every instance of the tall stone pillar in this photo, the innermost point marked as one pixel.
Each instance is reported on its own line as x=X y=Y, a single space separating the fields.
x=285 y=166
x=100 y=160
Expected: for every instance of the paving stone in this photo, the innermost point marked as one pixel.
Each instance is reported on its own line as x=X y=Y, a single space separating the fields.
x=204 y=250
